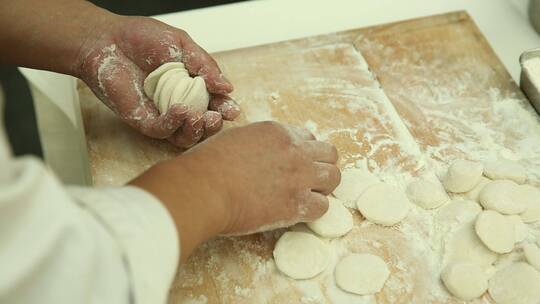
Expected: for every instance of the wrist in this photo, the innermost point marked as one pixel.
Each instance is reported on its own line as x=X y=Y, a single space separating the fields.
x=182 y=188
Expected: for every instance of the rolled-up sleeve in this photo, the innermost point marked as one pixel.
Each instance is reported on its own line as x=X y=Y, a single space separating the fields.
x=73 y=245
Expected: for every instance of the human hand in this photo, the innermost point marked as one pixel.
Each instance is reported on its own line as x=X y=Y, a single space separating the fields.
x=244 y=180
x=115 y=64
x=270 y=175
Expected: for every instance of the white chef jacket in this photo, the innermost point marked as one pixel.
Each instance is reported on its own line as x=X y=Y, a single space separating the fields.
x=71 y=245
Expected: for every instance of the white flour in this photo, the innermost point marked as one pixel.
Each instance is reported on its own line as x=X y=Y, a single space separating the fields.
x=501 y=127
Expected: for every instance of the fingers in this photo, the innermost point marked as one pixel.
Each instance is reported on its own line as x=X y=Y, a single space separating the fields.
x=299 y=134
x=320 y=151
x=224 y=105
x=326 y=178
x=313 y=207
x=199 y=63
x=165 y=125
x=191 y=132
x=212 y=123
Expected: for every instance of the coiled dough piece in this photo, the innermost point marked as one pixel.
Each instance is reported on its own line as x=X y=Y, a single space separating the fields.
x=465 y=280
x=518 y=283
x=171 y=84
x=462 y=176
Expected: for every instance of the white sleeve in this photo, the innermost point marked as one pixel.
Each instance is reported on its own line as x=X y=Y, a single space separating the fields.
x=115 y=245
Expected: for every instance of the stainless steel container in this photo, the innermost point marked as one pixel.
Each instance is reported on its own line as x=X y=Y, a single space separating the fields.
x=526 y=82
x=534 y=14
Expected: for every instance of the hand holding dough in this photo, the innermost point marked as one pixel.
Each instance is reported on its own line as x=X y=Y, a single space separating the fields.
x=171 y=84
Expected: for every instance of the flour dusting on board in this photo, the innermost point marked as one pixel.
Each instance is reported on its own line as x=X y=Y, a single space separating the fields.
x=500 y=125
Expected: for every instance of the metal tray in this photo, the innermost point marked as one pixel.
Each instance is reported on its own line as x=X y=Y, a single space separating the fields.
x=531 y=89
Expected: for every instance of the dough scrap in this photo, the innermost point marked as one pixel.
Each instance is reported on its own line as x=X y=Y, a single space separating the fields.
x=505 y=169
x=459 y=211
x=384 y=204
x=462 y=176
x=361 y=273
x=426 y=194
x=532 y=254
x=465 y=245
x=502 y=196
x=531 y=198
x=171 y=84
x=353 y=183
x=517 y=283
x=337 y=221
x=301 y=255
x=474 y=193
x=465 y=280
x=496 y=231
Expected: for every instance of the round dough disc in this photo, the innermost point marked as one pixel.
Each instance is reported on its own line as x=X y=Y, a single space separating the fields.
x=531 y=198
x=426 y=194
x=474 y=193
x=521 y=230
x=496 y=231
x=465 y=280
x=337 y=220
x=384 y=204
x=517 y=283
x=353 y=183
x=361 y=273
x=502 y=196
x=505 y=169
x=301 y=255
x=465 y=245
x=462 y=176
x=458 y=211
x=532 y=254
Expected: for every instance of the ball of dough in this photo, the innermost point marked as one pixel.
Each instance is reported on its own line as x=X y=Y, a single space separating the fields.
x=171 y=84
x=459 y=211
x=301 y=255
x=426 y=194
x=532 y=254
x=496 y=231
x=517 y=283
x=502 y=196
x=384 y=204
x=462 y=176
x=505 y=169
x=465 y=280
x=337 y=220
x=465 y=245
x=361 y=273
x=474 y=193
x=531 y=198
x=353 y=183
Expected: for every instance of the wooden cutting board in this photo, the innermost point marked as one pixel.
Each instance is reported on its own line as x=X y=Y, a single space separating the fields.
x=447 y=97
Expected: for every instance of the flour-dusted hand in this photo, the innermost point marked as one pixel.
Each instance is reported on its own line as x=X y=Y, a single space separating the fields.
x=115 y=64
x=243 y=180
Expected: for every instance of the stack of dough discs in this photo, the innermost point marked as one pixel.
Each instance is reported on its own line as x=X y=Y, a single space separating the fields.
x=361 y=273
x=336 y=222
x=171 y=84
x=301 y=255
